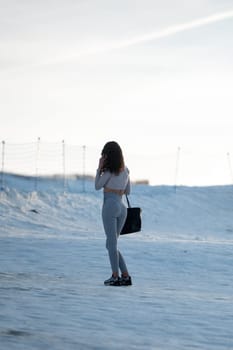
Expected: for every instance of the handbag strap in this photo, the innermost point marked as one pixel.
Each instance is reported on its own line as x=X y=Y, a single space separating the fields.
x=129 y=206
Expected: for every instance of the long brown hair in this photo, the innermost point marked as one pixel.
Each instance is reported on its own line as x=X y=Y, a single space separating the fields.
x=114 y=160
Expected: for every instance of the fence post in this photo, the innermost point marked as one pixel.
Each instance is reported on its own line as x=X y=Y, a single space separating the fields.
x=230 y=167
x=177 y=167
x=64 y=165
x=84 y=167
x=37 y=161
x=3 y=164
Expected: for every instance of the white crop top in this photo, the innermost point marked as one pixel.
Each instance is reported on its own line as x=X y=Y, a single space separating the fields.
x=113 y=181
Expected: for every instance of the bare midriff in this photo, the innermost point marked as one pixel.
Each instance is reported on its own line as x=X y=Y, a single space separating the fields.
x=112 y=190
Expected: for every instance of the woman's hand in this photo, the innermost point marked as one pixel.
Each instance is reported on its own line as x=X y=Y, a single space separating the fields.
x=101 y=163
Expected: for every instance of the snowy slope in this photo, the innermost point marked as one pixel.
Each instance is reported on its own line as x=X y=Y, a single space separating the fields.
x=53 y=263
x=188 y=213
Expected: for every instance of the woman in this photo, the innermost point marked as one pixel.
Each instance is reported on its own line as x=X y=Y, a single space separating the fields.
x=113 y=177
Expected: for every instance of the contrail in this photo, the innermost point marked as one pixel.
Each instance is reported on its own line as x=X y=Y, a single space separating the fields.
x=175 y=29
x=218 y=17
x=169 y=31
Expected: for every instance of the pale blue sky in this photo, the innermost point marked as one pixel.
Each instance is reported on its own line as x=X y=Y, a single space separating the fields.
x=144 y=73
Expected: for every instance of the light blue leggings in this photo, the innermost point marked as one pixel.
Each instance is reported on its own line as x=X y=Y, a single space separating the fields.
x=114 y=213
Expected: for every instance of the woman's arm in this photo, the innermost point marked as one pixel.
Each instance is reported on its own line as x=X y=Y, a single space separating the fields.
x=101 y=179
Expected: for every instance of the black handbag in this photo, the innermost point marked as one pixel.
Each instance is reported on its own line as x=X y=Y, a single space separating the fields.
x=133 y=222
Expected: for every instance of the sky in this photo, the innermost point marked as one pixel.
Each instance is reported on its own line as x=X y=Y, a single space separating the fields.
x=154 y=75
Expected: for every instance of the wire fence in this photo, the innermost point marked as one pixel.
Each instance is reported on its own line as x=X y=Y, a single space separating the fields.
x=39 y=159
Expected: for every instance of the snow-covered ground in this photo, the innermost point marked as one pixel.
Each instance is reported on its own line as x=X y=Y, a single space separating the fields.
x=53 y=263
